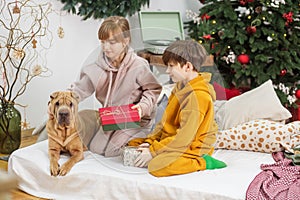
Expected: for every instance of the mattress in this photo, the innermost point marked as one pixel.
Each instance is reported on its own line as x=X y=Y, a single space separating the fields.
x=97 y=177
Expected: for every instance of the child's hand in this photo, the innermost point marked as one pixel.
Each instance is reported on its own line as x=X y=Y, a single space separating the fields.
x=144 y=158
x=138 y=107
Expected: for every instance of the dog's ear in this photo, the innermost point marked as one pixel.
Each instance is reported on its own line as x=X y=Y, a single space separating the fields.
x=54 y=95
x=75 y=96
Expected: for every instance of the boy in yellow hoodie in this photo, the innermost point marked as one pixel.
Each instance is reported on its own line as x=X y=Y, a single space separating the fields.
x=182 y=142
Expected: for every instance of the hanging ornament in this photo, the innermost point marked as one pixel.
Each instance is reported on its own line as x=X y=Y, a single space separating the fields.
x=283 y=72
x=18 y=53
x=297 y=94
x=16 y=8
x=243 y=2
x=230 y=58
x=243 y=59
x=34 y=43
x=288 y=17
x=258 y=9
x=221 y=33
x=60 y=32
x=207 y=37
x=33 y=40
x=251 y=30
x=205 y=16
x=24 y=124
x=269 y=38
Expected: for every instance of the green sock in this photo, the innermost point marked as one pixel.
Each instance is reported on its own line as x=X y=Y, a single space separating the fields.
x=212 y=163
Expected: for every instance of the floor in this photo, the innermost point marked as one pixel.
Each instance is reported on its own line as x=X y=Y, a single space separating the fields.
x=27 y=139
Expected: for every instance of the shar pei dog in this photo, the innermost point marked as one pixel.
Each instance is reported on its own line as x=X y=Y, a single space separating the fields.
x=63 y=128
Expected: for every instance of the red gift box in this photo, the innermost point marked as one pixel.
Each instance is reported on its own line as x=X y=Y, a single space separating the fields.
x=119 y=117
x=295 y=112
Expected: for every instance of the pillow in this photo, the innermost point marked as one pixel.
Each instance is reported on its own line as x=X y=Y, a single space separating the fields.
x=261 y=136
x=258 y=103
x=219 y=111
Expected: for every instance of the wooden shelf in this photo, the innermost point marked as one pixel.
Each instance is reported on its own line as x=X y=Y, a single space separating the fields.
x=156 y=59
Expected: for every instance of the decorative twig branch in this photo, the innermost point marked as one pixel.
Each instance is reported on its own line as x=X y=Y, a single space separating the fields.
x=21 y=22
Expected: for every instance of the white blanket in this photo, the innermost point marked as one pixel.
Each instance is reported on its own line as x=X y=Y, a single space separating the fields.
x=97 y=177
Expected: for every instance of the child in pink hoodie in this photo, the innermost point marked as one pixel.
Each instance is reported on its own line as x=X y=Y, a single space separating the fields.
x=117 y=76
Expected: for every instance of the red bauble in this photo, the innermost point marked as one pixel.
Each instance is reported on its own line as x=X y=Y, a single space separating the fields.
x=283 y=72
x=243 y=59
x=251 y=30
x=243 y=2
x=297 y=94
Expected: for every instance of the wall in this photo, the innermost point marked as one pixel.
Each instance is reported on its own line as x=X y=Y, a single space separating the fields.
x=67 y=55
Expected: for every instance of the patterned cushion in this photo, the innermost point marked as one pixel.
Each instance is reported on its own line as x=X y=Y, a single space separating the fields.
x=260 y=136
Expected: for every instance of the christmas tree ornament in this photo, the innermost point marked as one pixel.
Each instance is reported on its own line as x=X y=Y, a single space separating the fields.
x=207 y=37
x=269 y=38
x=205 y=17
x=220 y=33
x=243 y=59
x=283 y=72
x=258 y=9
x=297 y=94
x=289 y=17
x=243 y=2
x=251 y=30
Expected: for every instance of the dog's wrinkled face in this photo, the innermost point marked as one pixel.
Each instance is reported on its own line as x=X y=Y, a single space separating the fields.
x=63 y=106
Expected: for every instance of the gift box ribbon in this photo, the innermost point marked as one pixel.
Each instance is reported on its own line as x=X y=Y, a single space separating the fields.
x=118 y=114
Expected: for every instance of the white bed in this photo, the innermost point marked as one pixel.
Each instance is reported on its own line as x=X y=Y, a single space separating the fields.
x=97 y=177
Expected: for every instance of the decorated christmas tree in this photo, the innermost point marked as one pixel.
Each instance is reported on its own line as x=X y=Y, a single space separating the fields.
x=252 y=41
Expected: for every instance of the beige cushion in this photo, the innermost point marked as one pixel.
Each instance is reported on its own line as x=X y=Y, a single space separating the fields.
x=260 y=136
x=259 y=103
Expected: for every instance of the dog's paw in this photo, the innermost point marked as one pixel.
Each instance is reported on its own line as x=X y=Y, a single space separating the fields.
x=54 y=169
x=65 y=168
